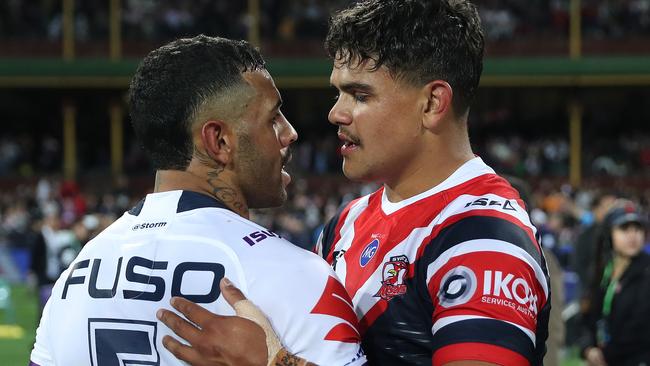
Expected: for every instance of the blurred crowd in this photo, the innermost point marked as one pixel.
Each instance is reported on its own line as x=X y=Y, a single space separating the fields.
x=306 y=20
x=508 y=19
x=44 y=224
x=625 y=156
x=543 y=156
x=161 y=20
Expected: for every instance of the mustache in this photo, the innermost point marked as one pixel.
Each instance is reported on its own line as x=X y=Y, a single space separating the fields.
x=354 y=139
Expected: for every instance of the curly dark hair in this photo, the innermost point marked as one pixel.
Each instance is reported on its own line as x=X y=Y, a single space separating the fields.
x=417 y=40
x=173 y=81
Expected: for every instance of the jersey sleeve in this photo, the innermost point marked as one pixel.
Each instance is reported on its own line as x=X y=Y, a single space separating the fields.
x=486 y=278
x=308 y=307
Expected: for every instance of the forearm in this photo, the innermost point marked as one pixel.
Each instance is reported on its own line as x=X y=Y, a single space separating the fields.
x=284 y=358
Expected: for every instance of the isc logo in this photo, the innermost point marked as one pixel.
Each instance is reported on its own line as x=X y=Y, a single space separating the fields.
x=498 y=285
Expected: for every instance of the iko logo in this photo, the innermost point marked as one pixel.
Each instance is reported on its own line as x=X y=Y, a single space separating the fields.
x=148 y=225
x=369 y=252
x=517 y=289
x=457 y=287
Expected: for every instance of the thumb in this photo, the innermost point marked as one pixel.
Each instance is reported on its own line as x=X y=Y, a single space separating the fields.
x=247 y=310
x=231 y=293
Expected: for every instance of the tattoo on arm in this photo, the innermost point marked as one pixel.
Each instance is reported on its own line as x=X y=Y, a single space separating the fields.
x=284 y=358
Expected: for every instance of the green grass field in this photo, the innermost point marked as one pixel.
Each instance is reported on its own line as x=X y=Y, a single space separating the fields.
x=16 y=339
x=17 y=334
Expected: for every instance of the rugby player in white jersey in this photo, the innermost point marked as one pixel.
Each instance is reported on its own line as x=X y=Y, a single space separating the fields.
x=208 y=114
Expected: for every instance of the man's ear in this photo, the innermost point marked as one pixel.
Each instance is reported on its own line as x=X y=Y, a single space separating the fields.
x=218 y=141
x=438 y=96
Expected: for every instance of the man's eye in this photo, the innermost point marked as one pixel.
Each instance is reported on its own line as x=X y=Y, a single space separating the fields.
x=360 y=97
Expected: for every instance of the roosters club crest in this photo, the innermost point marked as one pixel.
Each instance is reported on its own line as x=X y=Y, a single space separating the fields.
x=393 y=277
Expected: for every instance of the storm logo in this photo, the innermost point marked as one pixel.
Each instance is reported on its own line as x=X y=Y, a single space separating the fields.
x=457 y=287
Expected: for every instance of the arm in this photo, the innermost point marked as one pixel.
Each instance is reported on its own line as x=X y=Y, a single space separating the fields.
x=245 y=339
x=489 y=293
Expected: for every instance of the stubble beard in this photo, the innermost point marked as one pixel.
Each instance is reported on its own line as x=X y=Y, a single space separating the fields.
x=260 y=183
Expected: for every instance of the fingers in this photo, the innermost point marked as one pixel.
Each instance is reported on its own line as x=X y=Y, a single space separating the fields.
x=178 y=325
x=231 y=293
x=183 y=352
x=195 y=313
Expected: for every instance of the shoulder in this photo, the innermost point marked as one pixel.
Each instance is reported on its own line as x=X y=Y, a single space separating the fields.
x=489 y=208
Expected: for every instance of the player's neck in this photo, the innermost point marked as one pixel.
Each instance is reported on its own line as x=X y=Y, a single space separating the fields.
x=214 y=185
x=431 y=168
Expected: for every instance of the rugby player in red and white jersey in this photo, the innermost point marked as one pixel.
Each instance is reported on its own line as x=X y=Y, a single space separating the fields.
x=442 y=262
x=208 y=113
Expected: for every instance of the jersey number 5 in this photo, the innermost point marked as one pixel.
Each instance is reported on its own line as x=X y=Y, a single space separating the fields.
x=122 y=342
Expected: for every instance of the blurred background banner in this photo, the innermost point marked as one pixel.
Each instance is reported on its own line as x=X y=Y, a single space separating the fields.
x=564 y=106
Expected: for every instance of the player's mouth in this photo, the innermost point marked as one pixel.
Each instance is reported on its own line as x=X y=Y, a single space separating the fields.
x=350 y=143
x=286 y=178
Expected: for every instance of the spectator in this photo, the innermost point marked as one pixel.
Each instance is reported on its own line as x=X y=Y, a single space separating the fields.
x=617 y=326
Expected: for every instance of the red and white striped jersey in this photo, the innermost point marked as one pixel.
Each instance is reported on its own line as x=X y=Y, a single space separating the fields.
x=454 y=273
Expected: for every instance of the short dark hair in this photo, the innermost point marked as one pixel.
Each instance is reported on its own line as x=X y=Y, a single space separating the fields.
x=417 y=40
x=172 y=82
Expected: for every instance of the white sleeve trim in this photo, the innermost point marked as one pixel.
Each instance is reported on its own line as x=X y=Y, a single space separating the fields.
x=443 y=322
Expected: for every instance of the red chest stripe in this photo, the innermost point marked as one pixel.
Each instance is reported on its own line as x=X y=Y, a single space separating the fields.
x=336 y=302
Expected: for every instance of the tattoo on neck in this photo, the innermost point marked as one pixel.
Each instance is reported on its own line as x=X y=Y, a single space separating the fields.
x=203 y=157
x=224 y=192
x=220 y=189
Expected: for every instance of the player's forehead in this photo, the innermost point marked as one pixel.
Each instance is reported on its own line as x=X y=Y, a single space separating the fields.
x=355 y=74
x=265 y=91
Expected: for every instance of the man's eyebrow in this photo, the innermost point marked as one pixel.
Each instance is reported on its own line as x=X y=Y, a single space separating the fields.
x=355 y=86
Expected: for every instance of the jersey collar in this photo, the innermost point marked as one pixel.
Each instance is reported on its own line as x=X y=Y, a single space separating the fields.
x=187 y=201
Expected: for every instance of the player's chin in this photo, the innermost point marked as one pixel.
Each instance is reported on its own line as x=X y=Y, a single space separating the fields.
x=278 y=200
x=354 y=173
x=279 y=197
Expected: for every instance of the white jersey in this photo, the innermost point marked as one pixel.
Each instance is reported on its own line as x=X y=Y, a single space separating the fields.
x=181 y=243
